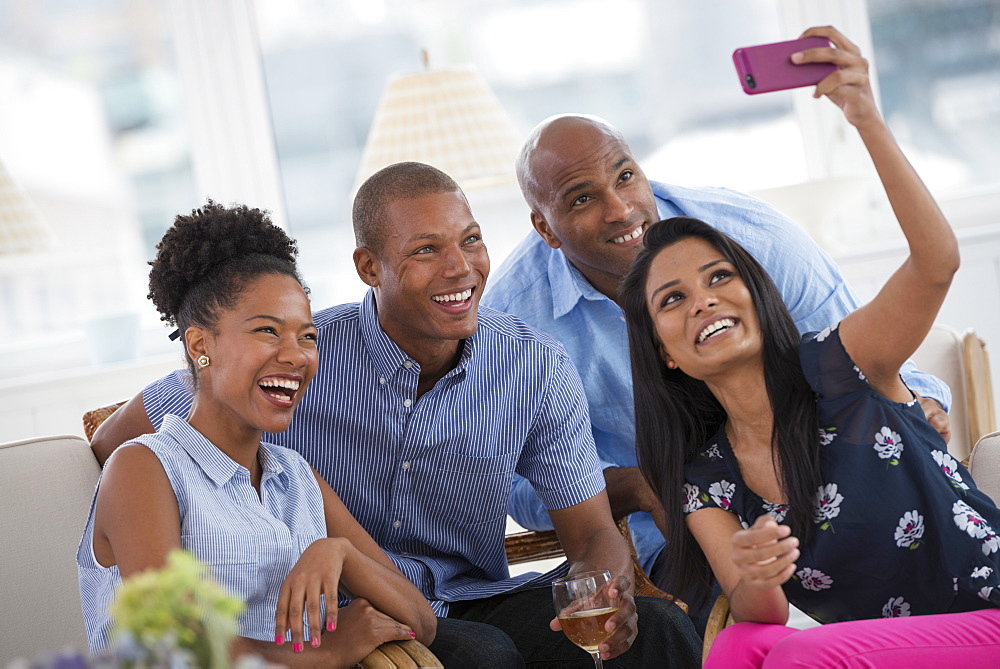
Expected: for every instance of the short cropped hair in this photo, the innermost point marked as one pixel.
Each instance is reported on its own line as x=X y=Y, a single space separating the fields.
x=399 y=181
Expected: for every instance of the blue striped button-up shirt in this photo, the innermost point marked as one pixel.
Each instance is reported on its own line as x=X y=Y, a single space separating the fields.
x=251 y=542
x=429 y=477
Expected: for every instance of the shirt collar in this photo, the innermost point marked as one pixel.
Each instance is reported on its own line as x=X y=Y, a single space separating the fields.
x=218 y=466
x=666 y=207
x=386 y=354
x=569 y=285
x=468 y=349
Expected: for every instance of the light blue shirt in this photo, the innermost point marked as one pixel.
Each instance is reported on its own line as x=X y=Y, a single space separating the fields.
x=538 y=284
x=250 y=542
x=429 y=477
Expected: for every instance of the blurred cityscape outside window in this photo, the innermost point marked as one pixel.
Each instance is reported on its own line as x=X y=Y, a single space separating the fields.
x=91 y=125
x=939 y=70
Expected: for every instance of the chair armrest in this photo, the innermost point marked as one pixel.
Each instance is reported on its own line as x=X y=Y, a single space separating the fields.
x=401 y=655
x=984 y=465
x=530 y=546
x=718 y=619
x=644 y=587
x=93 y=419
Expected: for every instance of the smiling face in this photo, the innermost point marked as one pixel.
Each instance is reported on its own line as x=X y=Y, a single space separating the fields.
x=430 y=273
x=262 y=356
x=701 y=310
x=590 y=198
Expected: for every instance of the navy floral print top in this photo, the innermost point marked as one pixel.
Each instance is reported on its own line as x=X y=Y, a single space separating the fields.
x=901 y=529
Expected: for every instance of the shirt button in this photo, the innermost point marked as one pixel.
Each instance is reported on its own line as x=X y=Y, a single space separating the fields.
x=381 y=380
x=405 y=465
x=397 y=524
x=407 y=402
x=407 y=364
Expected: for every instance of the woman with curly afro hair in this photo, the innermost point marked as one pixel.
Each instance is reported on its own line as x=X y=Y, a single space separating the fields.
x=273 y=530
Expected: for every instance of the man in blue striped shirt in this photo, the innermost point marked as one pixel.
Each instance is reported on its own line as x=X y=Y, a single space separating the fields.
x=423 y=410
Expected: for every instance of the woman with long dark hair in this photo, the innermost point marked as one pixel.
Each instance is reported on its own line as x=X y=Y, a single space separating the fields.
x=806 y=471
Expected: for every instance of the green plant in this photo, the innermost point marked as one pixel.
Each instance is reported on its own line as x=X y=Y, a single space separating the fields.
x=179 y=607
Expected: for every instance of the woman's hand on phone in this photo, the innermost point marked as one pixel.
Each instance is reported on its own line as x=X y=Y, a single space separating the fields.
x=850 y=86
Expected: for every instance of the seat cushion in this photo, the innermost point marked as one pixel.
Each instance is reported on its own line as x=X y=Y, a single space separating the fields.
x=984 y=465
x=46 y=486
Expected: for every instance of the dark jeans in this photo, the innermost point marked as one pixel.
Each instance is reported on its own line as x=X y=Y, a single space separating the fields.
x=513 y=631
x=699 y=616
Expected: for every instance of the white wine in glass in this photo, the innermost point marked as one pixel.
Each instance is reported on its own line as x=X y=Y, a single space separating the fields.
x=583 y=606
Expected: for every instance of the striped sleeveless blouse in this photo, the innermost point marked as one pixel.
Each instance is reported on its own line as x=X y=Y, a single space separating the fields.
x=250 y=542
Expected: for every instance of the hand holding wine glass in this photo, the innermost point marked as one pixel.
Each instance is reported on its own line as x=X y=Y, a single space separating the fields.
x=584 y=603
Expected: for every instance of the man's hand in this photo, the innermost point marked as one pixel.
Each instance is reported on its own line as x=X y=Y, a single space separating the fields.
x=591 y=541
x=622 y=626
x=628 y=492
x=936 y=416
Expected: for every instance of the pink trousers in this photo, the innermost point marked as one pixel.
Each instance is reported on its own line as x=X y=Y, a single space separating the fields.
x=947 y=640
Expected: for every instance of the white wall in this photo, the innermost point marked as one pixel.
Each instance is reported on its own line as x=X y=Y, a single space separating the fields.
x=55 y=403
x=974 y=299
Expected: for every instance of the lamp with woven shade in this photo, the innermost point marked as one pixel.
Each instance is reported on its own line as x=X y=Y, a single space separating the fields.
x=447 y=118
x=22 y=228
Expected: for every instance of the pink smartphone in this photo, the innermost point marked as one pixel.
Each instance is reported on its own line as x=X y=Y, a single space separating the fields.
x=768 y=67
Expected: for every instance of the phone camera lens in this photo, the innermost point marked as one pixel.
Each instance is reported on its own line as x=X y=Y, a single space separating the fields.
x=751 y=84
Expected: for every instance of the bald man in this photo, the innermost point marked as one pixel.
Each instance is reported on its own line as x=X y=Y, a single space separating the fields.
x=590 y=205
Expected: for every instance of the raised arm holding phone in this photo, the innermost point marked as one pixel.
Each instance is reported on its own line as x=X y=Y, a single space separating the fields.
x=806 y=470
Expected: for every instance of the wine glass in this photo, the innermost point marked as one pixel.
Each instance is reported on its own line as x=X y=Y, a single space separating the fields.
x=583 y=606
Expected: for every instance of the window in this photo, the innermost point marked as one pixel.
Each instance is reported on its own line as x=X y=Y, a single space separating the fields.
x=939 y=70
x=91 y=125
x=94 y=123
x=660 y=71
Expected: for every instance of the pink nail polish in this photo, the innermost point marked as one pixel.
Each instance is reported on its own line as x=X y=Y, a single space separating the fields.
x=330 y=626
x=314 y=642
x=279 y=639
x=297 y=647
x=413 y=634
